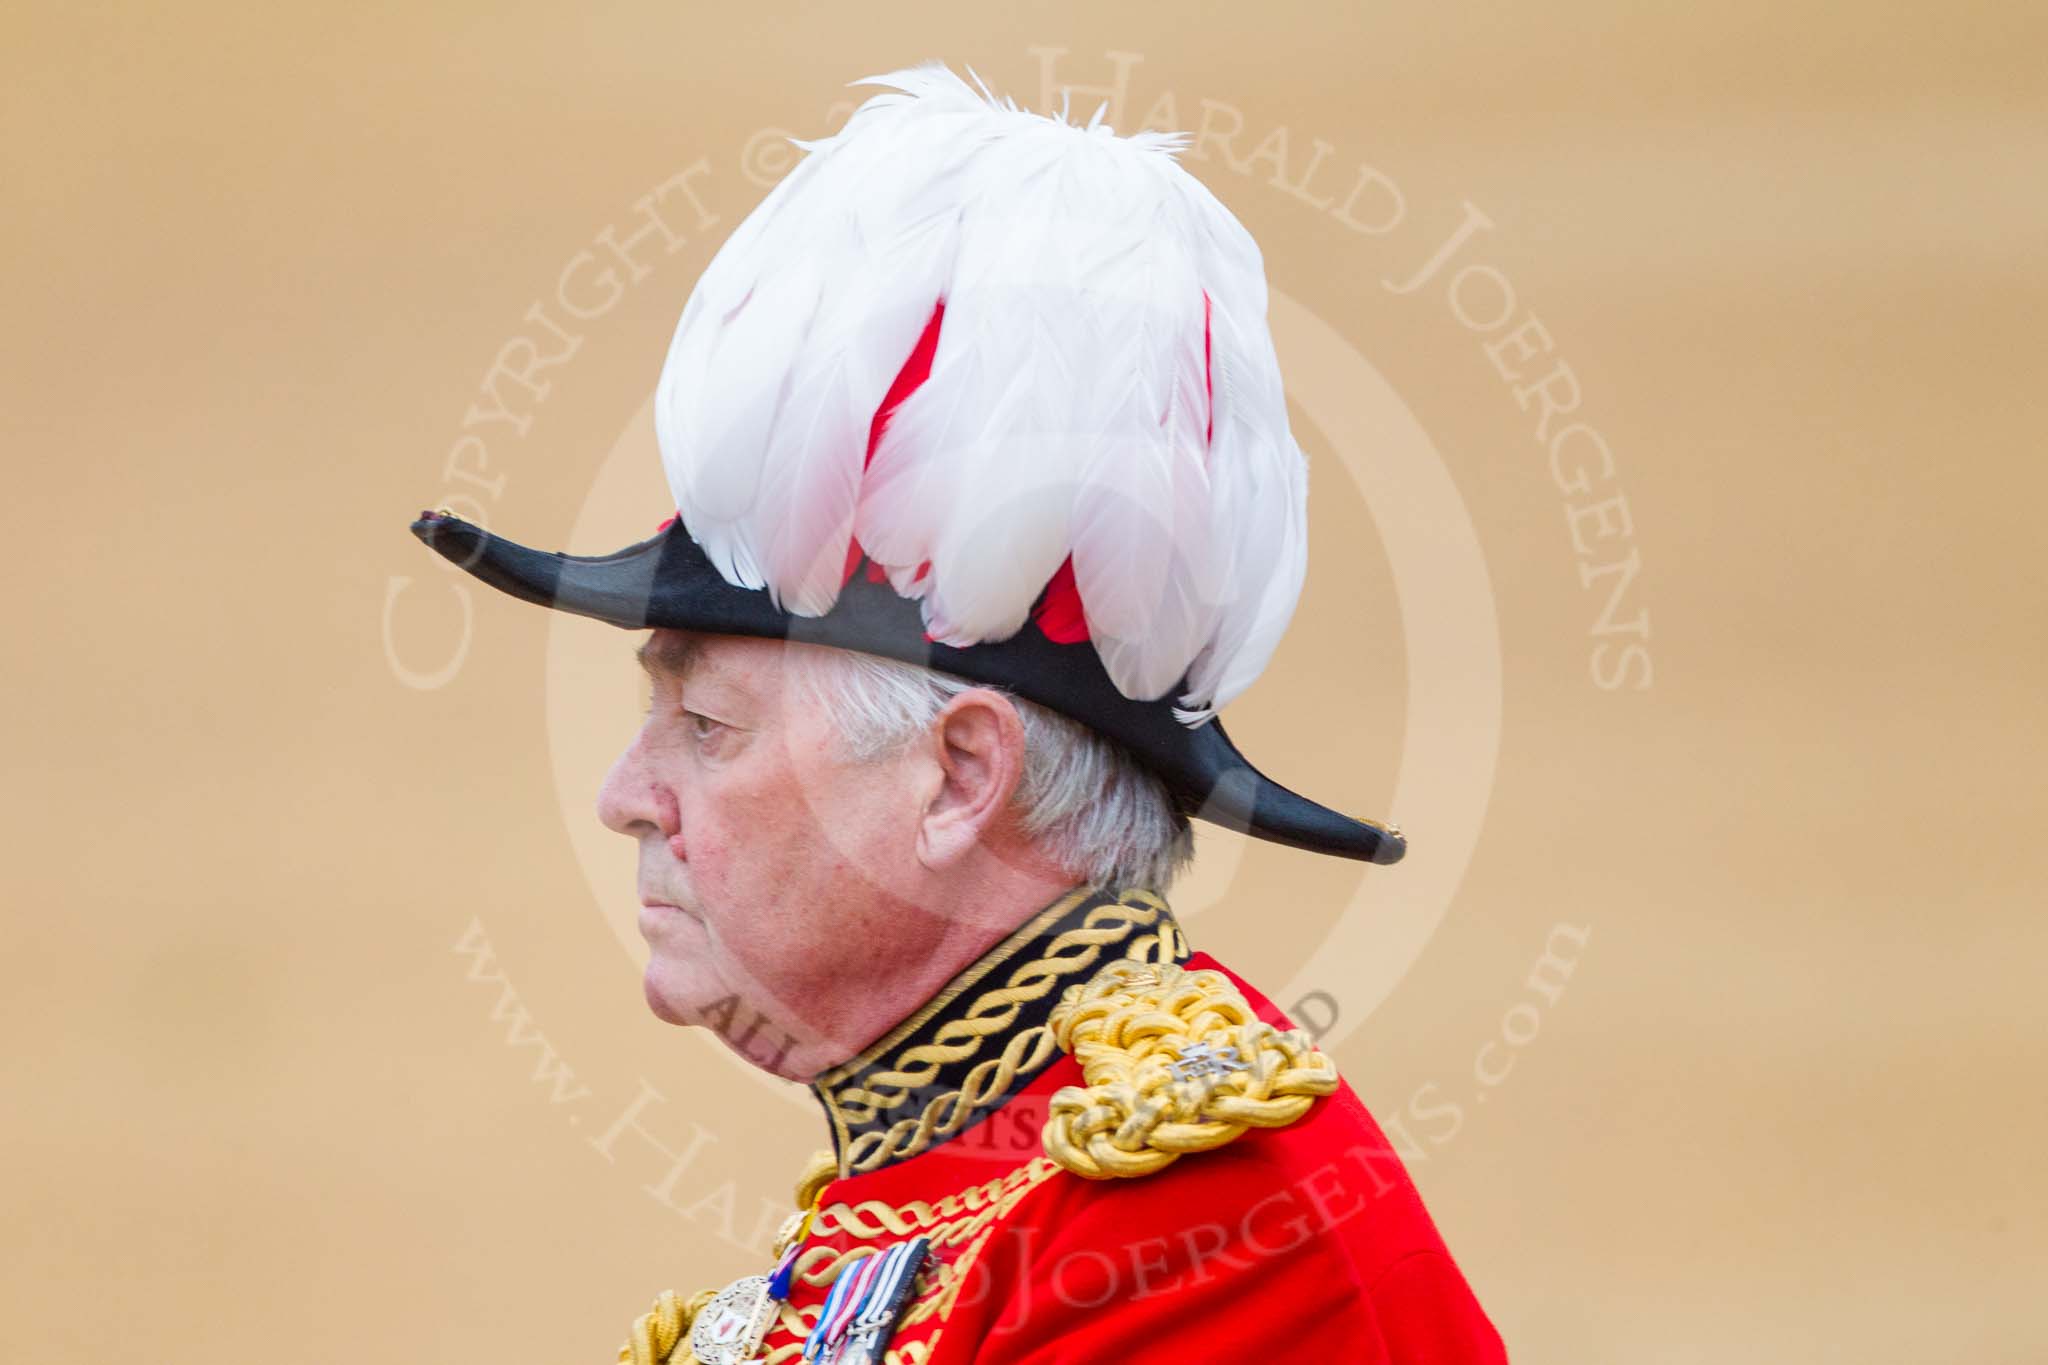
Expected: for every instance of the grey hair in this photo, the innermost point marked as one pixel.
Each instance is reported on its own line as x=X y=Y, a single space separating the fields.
x=1092 y=808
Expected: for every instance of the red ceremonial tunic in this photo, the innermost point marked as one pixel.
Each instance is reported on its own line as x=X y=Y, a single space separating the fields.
x=1305 y=1242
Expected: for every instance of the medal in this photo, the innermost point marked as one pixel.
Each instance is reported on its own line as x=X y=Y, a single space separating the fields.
x=729 y=1329
x=732 y=1326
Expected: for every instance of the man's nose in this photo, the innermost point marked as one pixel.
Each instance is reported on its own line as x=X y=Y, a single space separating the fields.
x=632 y=800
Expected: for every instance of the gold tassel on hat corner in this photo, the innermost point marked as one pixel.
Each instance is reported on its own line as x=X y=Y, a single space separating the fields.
x=1174 y=1061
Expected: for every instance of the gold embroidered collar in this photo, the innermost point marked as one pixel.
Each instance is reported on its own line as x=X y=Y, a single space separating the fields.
x=984 y=1037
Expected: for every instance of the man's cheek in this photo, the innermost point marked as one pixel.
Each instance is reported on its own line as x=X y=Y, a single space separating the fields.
x=709 y=838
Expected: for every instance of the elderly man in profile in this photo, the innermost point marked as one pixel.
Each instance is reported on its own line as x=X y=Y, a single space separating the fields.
x=985 y=505
x=827 y=838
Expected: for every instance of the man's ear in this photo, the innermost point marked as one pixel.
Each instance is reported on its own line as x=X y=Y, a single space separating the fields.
x=979 y=742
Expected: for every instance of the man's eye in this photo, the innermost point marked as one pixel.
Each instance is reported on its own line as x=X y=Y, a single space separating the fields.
x=701 y=726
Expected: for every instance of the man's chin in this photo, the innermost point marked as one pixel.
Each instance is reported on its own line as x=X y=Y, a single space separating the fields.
x=760 y=1044
x=665 y=1004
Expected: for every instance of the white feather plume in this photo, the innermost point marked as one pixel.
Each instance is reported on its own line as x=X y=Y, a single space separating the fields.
x=1068 y=412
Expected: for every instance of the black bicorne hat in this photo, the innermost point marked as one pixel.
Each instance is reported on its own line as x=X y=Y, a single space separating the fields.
x=666 y=581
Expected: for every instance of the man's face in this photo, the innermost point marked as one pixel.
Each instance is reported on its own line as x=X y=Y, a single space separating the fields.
x=765 y=851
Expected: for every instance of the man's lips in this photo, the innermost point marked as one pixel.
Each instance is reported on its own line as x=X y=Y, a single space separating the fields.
x=654 y=914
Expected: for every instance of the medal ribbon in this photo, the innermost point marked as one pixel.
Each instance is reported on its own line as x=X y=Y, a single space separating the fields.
x=880 y=1306
x=836 y=1321
x=815 y=1342
x=785 y=1269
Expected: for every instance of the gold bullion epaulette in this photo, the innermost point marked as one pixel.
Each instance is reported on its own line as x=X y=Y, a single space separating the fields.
x=1175 y=1061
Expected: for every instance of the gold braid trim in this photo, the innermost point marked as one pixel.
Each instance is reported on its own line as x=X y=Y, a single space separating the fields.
x=913 y=1353
x=946 y=1114
x=964 y=1220
x=970 y=1234
x=871 y=1218
x=1068 y=955
x=960 y=1223
x=1128 y=1028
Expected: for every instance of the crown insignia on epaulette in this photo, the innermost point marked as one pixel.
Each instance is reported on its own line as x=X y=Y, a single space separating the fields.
x=1175 y=1061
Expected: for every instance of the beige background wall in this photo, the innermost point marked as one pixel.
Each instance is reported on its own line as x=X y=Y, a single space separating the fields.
x=259 y=262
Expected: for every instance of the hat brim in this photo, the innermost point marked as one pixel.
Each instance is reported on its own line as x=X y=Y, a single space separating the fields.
x=667 y=581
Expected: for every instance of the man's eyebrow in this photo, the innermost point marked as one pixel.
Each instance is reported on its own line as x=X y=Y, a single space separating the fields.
x=668 y=656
